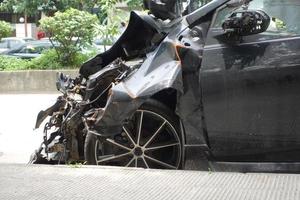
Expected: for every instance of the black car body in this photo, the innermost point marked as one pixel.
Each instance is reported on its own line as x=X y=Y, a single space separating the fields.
x=66 y=130
x=237 y=98
x=216 y=89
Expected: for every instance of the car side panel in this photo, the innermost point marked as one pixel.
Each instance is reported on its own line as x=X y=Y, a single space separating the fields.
x=251 y=99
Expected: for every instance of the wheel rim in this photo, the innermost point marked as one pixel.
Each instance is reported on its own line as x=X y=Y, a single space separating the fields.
x=148 y=140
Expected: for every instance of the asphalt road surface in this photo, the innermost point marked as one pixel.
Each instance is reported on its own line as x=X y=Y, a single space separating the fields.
x=17 y=119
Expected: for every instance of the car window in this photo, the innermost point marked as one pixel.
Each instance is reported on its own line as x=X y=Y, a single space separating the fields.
x=195 y=4
x=3 y=44
x=32 y=49
x=14 y=43
x=222 y=14
x=24 y=50
x=191 y=5
x=284 y=15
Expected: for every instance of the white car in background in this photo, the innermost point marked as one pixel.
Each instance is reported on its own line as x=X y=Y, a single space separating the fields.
x=102 y=46
x=13 y=43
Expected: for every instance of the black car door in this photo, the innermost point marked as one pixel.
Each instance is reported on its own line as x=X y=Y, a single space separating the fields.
x=251 y=87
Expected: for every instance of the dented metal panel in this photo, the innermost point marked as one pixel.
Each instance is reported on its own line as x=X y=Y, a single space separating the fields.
x=174 y=64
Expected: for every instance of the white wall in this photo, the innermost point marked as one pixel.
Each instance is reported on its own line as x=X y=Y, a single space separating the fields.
x=20 y=30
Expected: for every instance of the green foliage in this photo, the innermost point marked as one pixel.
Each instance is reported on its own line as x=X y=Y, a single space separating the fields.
x=32 y=7
x=107 y=4
x=76 y=164
x=108 y=15
x=48 y=60
x=72 y=29
x=110 y=21
x=134 y=3
x=12 y=63
x=5 y=29
x=28 y=7
x=280 y=25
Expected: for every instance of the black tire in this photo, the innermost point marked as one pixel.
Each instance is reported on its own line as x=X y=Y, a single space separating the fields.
x=89 y=149
x=165 y=143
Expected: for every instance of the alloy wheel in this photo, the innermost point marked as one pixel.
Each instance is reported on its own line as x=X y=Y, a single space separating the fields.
x=149 y=140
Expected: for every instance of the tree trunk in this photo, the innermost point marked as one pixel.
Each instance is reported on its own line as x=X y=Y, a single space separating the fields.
x=25 y=24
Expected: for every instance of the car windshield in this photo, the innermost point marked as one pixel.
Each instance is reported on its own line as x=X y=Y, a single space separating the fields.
x=192 y=5
x=33 y=49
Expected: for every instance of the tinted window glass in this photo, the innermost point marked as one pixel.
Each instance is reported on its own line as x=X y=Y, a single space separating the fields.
x=285 y=14
x=192 y=5
x=222 y=15
x=34 y=50
x=14 y=43
x=3 y=44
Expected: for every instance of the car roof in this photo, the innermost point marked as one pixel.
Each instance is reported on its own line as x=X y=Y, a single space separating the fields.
x=37 y=43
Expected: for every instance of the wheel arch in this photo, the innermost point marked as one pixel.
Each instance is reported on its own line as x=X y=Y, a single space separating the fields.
x=168 y=97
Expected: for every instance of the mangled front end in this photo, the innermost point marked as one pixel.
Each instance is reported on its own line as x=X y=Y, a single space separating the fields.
x=161 y=71
x=169 y=74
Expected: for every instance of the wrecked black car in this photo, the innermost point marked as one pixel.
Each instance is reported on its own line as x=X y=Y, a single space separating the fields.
x=70 y=117
x=216 y=89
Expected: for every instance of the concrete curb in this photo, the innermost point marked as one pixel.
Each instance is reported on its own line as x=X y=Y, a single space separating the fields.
x=94 y=183
x=33 y=81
